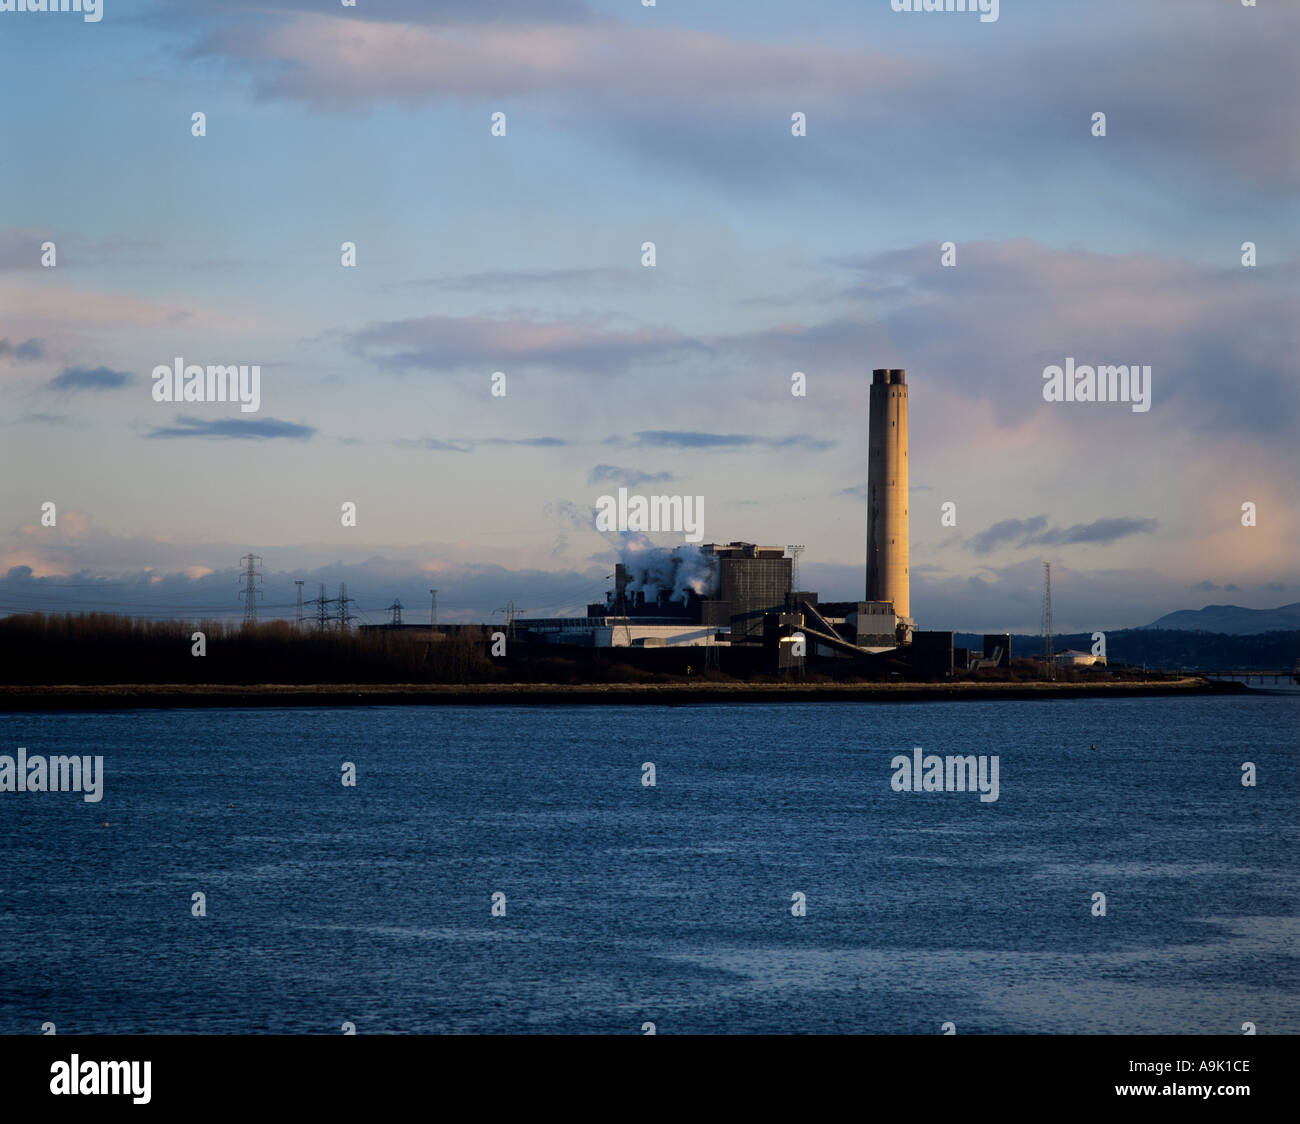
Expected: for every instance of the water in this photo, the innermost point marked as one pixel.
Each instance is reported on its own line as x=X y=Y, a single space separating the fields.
x=627 y=904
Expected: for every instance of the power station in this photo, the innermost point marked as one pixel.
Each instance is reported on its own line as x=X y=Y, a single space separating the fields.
x=742 y=594
x=739 y=602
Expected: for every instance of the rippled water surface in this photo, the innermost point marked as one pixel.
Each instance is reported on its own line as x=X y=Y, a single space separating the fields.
x=628 y=904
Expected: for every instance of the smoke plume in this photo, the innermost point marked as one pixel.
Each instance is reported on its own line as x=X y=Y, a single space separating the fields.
x=674 y=572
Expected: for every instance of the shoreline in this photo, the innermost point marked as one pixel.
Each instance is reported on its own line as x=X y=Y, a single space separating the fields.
x=188 y=696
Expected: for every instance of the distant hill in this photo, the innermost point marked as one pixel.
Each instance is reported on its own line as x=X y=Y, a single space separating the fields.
x=1231 y=620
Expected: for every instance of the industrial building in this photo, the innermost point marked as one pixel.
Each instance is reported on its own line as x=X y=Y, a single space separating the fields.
x=737 y=600
x=1074 y=658
x=740 y=595
x=997 y=649
x=711 y=594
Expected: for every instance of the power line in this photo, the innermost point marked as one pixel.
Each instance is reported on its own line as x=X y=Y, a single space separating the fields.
x=511 y=610
x=322 y=609
x=252 y=575
x=568 y=598
x=345 y=618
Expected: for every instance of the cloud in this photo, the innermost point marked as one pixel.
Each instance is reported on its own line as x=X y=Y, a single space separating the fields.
x=982 y=331
x=20 y=248
x=706 y=100
x=89 y=378
x=1034 y=531
x=1099 y=531
x=147 y=576
x=38 y=418
x=72 y=524
x=392 y=11
x=988 y=328
x=568 y=516
x=434 y=444
x=526 y=442
x=341 y=63
x=448 y=343
x=62 y=306
x=468 y=444
x=512 y=279
x=175 y=583
x=693 y=439
x=26 y=352
x=627 y=477
x=254 y=429
x=1006 y=531
x=575 y=517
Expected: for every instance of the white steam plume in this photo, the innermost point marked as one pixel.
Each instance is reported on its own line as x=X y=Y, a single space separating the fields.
x=674 y=571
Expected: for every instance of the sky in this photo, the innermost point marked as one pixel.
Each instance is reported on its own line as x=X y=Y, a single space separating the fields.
x=522 y=254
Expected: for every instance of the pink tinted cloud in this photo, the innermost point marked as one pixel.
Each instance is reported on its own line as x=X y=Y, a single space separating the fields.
x=453 y=341
x=335 y=61
x=84 y=305
x=1153 y=85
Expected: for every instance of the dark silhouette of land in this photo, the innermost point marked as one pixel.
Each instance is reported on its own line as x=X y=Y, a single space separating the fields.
x=100 y=660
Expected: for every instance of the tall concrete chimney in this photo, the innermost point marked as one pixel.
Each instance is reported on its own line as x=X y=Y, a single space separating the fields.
x=887 y=522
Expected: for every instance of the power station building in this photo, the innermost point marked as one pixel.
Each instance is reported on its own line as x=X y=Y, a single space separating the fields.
x=742 y=594
x=738 y=600
x=726 y=601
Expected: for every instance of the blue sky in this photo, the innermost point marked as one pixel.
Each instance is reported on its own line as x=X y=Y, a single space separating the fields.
x=522 y=254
